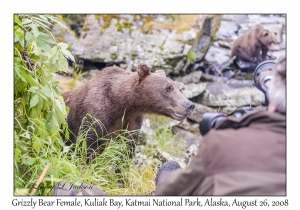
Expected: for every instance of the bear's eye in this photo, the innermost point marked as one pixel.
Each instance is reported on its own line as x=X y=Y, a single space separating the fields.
x=169 y=88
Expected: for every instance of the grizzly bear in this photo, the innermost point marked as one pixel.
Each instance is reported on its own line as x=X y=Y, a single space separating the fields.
x=119 y=98
x=253 y=45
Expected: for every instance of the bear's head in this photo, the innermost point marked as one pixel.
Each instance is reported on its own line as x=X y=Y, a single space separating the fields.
x=161 y=95
x=267 y=38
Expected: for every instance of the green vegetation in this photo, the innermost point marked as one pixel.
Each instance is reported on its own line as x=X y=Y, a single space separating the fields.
x=191 y=56
x=39 y=110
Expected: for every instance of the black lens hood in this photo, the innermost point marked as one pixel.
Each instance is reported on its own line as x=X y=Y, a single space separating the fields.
x=268 y=64
x=208 y=121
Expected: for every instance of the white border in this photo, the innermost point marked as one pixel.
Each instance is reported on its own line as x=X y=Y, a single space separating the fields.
x=162 y=6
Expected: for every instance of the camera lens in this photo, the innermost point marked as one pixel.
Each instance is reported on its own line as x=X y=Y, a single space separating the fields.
x=263 y=74
x=210 y=120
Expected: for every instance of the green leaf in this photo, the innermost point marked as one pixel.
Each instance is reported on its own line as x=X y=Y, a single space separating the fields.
x=37 y=21
x=55 y=83
x=62 y=63
x=55 y=57
x=29 y=38
x=17 y=73
x=33 y=89
x=29 y=161
x=17 y=151
x=68 y=54
x=54 y=125
x=47 y=91
x=45 y=20
x=36 y=50
x=54 y=50
x=61 y=143
x=20 y=33
x=35 y=30
x=46 y=38
x=60 y=112
x=35 y=58
x=48 y=78
x=43 y=17
x=17 y=155
x=26 y=135
x=19 y=36
x=63 y=45
x=44 y=46
x=17 y=20
x=29 y=78
x=56 y=21
x=51 y=67
x=34 y=100
x=42 y=95
x=36 y=145
x=26 y=21
x=191 y=56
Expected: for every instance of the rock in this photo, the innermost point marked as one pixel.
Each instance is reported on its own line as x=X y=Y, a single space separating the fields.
x=185 y=124
x=227 y=110
x=140 y=148
x=203 y=46
x=234 y=83
x=188 y=137
x=233 y=97
x=146 y=128
x=231 y=83
x=193 y=77
x=152 y=143
x=161 y=157
x=217 y=55
x=192 y=90
x=140 y=159
x=160 y=41
x=182 y=133
x=190 y=153
x=199 y=110
x=217 y=87
x=235 y=18
x=228 y=31
x=209 y=28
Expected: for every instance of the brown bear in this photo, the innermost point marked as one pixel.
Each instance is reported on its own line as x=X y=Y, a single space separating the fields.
x=253 y=45
x=119 y=98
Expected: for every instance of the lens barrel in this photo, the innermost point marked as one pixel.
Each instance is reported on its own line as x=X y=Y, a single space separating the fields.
x=210 y=120
x=262 y=74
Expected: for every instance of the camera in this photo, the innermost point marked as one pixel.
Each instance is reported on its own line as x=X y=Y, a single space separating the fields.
x=262 y=76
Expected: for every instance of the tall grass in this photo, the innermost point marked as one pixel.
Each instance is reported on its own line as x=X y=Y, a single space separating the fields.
x=71 y=164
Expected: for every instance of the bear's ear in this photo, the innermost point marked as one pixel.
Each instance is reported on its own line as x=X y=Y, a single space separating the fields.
x=142 y=70
x=160 y=72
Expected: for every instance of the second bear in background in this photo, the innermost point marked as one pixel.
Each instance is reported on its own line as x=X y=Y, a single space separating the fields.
x=253 y=45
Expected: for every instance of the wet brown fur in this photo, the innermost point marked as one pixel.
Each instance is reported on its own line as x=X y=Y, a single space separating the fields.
x=115 y=91
x=253 y=45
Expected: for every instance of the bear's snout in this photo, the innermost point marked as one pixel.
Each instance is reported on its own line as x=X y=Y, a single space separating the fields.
x=190 y=107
